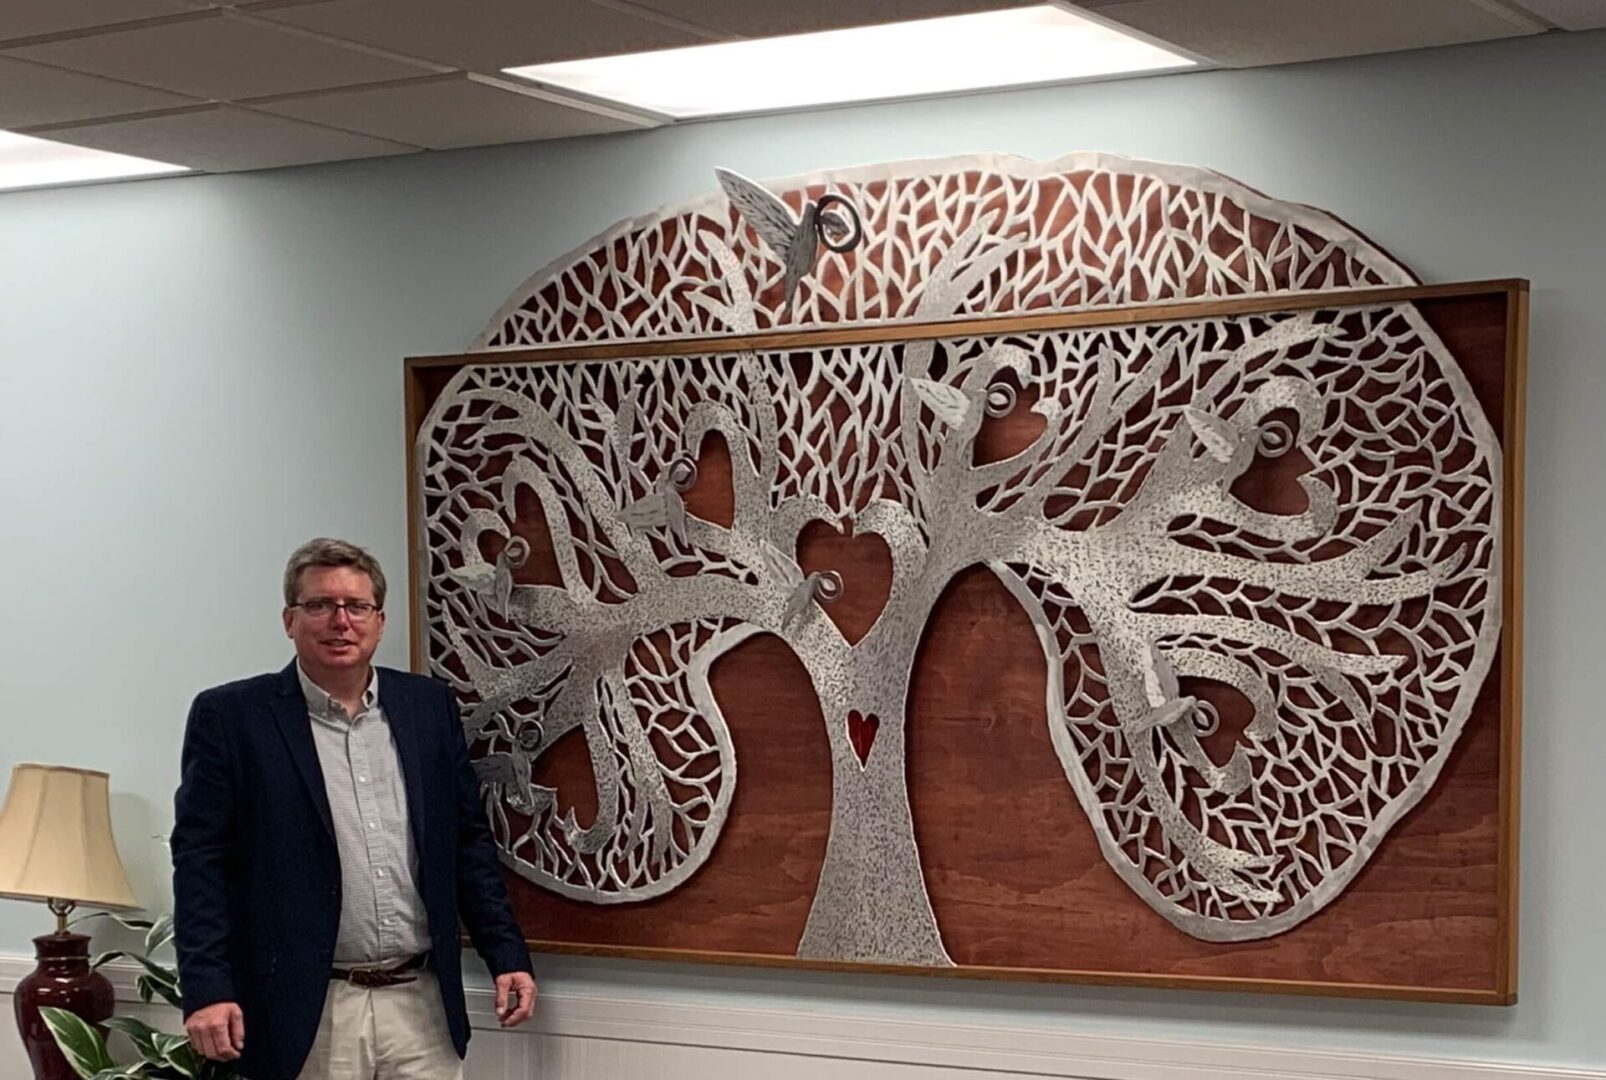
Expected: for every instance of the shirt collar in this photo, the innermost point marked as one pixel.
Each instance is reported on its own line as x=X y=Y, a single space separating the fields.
x=322 y=706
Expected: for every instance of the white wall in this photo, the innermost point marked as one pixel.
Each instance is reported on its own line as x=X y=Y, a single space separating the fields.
x=198 y=373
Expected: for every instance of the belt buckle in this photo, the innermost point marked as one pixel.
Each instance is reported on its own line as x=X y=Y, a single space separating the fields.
x=369 y=978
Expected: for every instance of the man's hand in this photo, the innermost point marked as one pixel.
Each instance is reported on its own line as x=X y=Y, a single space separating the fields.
x=218 y=1031
x=515 y=997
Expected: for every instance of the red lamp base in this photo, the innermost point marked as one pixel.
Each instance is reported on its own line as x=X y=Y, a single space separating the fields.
x=63 y=980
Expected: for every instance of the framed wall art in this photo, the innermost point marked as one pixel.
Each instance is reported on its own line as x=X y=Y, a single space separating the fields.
x=1089 y=570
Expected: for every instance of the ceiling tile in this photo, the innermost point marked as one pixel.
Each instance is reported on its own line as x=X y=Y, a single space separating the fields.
x=35 y=94
x=218 y=55
x=751 y=19
x=223 y=138
x=501 y=33
x=448 y=112
x=1243 y=33
x=1570 y=14
x=27 y=18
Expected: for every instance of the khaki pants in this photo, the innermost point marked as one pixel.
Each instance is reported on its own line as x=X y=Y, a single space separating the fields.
x=387 y=1033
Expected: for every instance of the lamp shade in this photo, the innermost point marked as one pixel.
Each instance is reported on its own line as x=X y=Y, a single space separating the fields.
x=56 y=839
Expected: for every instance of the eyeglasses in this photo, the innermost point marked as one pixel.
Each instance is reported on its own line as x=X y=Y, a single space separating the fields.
x=357 y=611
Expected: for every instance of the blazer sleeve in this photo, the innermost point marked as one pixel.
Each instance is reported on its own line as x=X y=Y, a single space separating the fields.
x=204 y=812
x=481 y=894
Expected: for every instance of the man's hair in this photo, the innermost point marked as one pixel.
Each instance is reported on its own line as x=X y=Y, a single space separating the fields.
x=326 y=552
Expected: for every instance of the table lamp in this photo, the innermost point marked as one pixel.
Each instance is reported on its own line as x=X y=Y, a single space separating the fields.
x=56 y=846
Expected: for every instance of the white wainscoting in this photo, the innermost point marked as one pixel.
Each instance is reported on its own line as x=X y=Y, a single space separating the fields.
x=634 y=1037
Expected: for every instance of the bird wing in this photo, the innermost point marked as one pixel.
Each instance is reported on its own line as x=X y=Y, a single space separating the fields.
x=1219 y=438
x=780 y=566
x=647 y=512
x=950 y=403
x=798 y=602
x=675 y=513
x=762 y=209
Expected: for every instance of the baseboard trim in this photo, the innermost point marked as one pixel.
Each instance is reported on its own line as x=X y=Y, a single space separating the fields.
x=1021 y=1051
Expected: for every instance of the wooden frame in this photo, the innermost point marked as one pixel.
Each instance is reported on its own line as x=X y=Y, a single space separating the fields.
x=420 y=372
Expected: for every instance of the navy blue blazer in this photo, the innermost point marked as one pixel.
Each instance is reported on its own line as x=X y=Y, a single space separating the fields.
x=256 y=873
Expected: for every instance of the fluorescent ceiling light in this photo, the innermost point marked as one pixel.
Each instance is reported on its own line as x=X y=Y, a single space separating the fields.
x=26 y=162
x=1042 y=44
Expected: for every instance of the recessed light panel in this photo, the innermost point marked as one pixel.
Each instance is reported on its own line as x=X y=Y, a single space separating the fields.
x=1020 y=46
x=27 y=162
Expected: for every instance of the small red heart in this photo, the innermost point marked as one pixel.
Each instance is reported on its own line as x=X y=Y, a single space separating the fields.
x=861 y=733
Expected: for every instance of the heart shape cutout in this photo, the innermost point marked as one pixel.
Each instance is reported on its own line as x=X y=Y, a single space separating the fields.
x=862 y=728
x=865 y=563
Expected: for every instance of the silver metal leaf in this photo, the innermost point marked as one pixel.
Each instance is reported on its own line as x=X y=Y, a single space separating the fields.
x=1219 y=438
x=950 y=403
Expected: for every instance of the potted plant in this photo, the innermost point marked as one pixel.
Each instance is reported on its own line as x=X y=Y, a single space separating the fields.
x=161 y=1054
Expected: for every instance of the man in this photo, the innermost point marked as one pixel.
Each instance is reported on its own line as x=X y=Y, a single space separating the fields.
x=328 y=838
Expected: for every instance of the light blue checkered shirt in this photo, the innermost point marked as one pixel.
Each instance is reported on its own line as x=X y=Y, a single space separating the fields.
x=382 y=919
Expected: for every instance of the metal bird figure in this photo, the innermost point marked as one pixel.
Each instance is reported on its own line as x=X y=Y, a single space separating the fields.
x=510 y=772
x=664 y=506
x=822 y=585
x=830 y=220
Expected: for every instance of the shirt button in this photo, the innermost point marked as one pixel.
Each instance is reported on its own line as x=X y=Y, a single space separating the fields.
x=379 y=873
x=362 y=779
x=371 y=825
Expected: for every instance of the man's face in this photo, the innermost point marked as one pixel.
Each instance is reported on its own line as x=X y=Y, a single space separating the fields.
x=335 y=641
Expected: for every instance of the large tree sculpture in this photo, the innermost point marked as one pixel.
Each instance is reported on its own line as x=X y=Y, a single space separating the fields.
x=1358 y=628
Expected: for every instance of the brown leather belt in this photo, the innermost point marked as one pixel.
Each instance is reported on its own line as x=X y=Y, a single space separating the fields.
x=374 y=977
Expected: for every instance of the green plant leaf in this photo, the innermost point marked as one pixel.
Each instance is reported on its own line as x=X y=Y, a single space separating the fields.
x=139 y=1070
x=80 y=1044
x=156 y=980
x=182 y=1056
x=150 y=987
x=141 y=1034
x=105 y=958
x=168 y=993
x=132 y=924
x=158 y=971
x=216 y=1070
x=159 y=934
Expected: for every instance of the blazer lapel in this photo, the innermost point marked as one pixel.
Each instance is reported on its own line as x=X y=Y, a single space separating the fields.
x=290 y=710
x=405 y=730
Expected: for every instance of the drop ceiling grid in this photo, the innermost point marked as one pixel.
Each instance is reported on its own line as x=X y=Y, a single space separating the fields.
x=30 y=18
x=350 y=78
x=502 y=33
x=449 y=112
x=219 y=57
x=33 y=94
x=345 y=99
x=1252 y=33
x=1570 y=14
x=224 y=138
